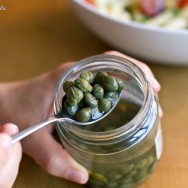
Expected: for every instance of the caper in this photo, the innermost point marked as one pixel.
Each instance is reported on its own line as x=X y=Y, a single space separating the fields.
x=109 y=83
x=94 y=183
x=74 y=96
x=71 y=109
x=141 y=164
x=130 y=174
x=98 y=91
x=121 y=85
x=127 y=168
x=111 y=95
x=84 y=114
x=87 y=76
x=104 y=105
x=99 y=76
x=114 y=175
x=67 y=84
x=126 y=180
x=99 y=177
x=83 y=85
x=90 y=100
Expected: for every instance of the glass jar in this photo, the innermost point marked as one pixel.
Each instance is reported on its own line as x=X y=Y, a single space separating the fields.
x=122 y=149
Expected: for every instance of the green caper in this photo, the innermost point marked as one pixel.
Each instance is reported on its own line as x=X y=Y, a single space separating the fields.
x=126 y=169
x=109 y=83
x=121 y=85
x=99 y=76
x=131 y=174
x=71 y=109
x=111 y=95
x=90 y=100
x=98 y=91
x=104 y=105
x=74 y=96
x=92 y=183
x=67 y=84
x=126 y=180
x=114 y=175
x=141 y=164
x=87 y=76
x=83 y=85
x=98 y=177
x=84 y=114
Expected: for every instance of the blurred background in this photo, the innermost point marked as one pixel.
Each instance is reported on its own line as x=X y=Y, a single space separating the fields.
x=40 y=35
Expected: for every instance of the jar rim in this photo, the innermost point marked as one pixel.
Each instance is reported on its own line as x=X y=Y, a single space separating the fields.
x=125 y=130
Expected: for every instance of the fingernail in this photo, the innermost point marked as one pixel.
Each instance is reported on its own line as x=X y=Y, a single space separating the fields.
x=5 y=141
x=76 y=176
x=155 y=84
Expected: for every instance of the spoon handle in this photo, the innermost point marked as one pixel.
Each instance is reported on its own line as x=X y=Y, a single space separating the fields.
x=33 y=128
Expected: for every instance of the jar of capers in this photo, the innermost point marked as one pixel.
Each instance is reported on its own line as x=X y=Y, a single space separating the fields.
x=122 y=149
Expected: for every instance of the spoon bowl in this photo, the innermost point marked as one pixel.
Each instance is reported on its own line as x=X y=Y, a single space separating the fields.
x=61 y=117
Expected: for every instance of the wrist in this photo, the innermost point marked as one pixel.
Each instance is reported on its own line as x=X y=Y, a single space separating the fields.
x=6 y=88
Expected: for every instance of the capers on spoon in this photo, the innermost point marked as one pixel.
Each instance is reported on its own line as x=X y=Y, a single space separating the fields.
x=61 y=117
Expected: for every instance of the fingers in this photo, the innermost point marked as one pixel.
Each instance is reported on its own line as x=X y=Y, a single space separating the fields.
x=5 y=141
x=53 y=158
x=54 y=75
x=9 y=128
x=63 y=67
x=154 y=83
x=10 y=156
x=149 y=75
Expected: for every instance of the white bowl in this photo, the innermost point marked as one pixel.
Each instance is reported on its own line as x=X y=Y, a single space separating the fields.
x=147 y=43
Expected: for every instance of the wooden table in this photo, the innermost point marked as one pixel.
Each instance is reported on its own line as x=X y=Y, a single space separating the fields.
x=36 y=36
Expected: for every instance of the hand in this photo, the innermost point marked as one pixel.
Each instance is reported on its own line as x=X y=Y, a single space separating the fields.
x=149 y=75
x=31 y=101
x=10 y=156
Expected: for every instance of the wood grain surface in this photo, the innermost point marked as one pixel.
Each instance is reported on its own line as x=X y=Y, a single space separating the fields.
x=38 y=35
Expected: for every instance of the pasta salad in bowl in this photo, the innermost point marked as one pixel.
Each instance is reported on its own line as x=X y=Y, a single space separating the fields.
x=151 y=30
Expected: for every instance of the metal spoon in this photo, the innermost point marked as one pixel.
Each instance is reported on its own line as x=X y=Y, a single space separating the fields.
x=60 y=117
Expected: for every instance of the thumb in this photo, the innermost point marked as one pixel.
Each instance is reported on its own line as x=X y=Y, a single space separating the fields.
x=53 y=158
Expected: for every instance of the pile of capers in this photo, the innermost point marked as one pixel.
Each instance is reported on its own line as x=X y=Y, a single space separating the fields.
x=126 y=175
x=91 y=93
